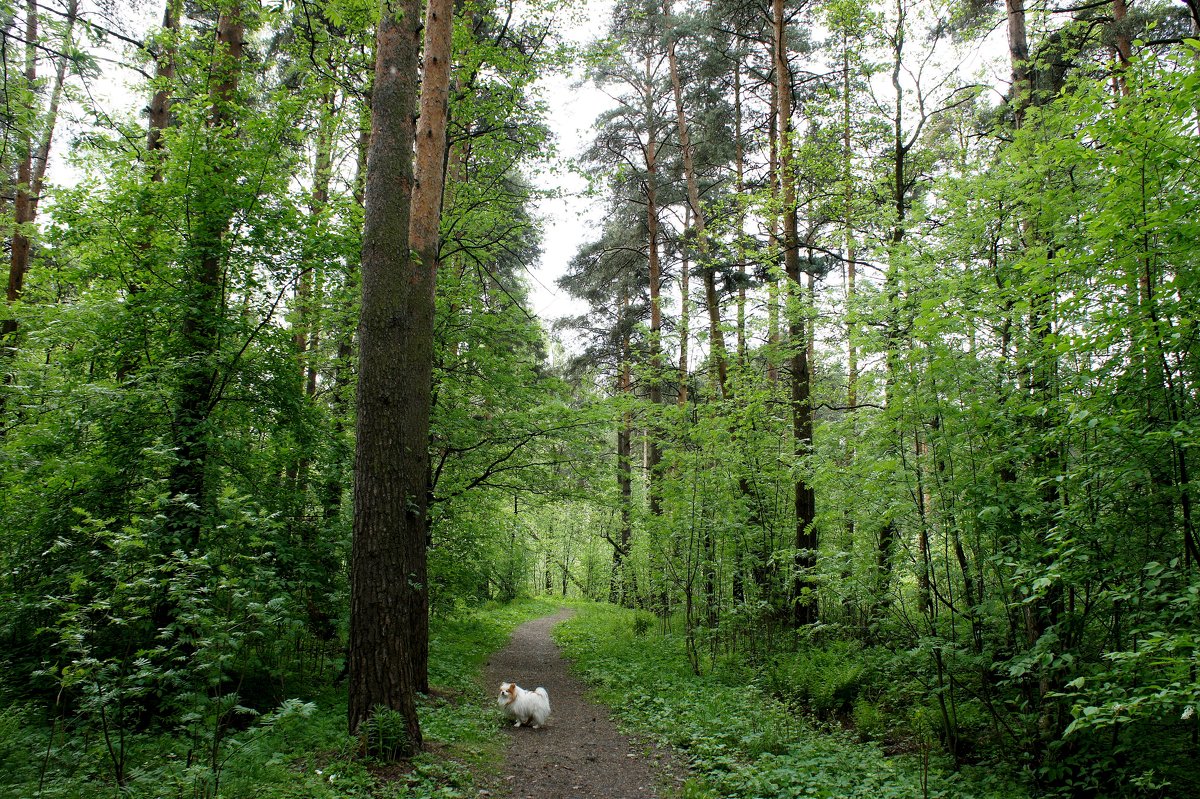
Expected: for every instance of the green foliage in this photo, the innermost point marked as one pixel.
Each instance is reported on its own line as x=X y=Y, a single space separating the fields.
x=826 y=681
x=294 y=748
x=737 y=735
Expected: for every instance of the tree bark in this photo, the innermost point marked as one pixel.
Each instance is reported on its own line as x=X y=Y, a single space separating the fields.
x=24 y=207
x=654 y=449
x=1018 y=52
x=717 y=347
x=685 y=312
x=429 y=182
x=388 y=586
x=164 y=73
x=624 y=466
x=804 y=609
x=773 y=237
x=848 y=222
x=203 y=301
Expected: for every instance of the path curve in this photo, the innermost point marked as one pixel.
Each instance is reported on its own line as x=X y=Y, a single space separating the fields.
x=579 y=753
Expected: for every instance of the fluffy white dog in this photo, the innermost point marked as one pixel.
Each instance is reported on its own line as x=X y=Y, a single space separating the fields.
x=527 y=707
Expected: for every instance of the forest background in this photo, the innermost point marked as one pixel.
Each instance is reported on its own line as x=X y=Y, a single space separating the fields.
x=882 y=401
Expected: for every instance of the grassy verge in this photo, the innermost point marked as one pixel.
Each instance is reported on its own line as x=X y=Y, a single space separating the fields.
x=299 y=751
x=739 y=741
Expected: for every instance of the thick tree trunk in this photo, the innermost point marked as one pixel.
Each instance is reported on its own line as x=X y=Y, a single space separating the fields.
x=388 y=585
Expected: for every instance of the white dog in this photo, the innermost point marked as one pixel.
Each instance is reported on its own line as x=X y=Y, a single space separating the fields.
x=527 y=707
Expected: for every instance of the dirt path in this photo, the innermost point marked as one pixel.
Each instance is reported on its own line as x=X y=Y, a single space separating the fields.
x=579 y=753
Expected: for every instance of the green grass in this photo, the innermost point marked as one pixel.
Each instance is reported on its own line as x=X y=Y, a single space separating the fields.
x=738 y=740
x=301 y=751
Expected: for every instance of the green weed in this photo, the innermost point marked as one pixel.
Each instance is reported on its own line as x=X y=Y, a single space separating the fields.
x=743 y=740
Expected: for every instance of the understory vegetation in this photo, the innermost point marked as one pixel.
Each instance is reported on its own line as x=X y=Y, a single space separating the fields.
x=248 y=745
x=812 y=721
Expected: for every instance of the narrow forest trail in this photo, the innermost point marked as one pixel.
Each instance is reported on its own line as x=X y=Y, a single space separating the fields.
x=579 y=753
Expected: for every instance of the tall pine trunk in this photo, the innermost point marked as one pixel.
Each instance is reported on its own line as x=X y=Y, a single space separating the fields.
x=653 y=432
x=388 y=594
x=424 y=233
x=717 y=349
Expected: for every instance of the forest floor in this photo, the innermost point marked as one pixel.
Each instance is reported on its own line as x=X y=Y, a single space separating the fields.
x=579 y=753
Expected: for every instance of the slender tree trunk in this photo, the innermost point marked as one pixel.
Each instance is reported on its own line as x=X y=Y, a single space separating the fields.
x=717 y=349
x=423 y=236
x=203 y=301
x=653 y=448
x=892 y=326
x=624 y=465
x=307 y=332
x=1040 y=614
x=803 y=589
x=775 y=243
x=1124 y=45
x=41 y=161
x=739 y=157
x=685 y=312
x=24 y=202
x=848 y=222
x=164 y=75
x=305 y=323
x=388 y=586
x=160 y=117
x=1018 y=51
x=331 y=495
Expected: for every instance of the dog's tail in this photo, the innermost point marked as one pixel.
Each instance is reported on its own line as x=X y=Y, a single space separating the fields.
x=542 y=692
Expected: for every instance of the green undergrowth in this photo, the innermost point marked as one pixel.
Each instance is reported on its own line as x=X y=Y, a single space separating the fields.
x=300 y=750
x=737 y=738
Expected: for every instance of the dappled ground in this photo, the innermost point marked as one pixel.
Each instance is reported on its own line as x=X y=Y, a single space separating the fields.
x=579 y=753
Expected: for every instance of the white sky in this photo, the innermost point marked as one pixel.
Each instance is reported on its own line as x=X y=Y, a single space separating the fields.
x=569 y=219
